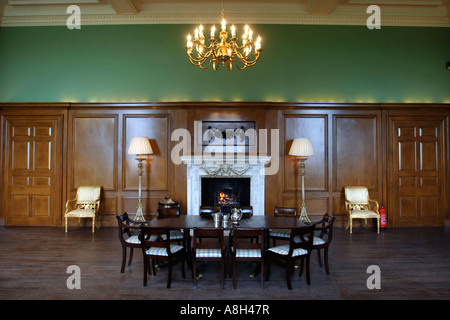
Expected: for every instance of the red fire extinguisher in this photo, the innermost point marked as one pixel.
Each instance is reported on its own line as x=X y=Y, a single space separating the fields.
x=383 y=222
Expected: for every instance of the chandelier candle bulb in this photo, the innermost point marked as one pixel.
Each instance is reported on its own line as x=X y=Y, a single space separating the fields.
x=233 y=31
x=189 y=42
x=224 y=25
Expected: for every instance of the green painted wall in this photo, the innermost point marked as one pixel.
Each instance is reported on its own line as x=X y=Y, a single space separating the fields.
x=130 y=63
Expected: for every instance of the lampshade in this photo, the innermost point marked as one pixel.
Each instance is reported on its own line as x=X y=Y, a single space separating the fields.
x=140 y=145
x=301 y=147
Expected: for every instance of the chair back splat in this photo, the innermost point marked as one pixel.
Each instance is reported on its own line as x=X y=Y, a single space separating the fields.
x=242 y=250
x=211 y=250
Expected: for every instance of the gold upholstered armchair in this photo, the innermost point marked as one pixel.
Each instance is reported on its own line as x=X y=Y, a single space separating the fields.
x=85 y=204
x=360 y=206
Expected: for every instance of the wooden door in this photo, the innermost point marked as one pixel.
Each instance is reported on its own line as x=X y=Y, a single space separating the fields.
x=417 y=177
x=32 y=190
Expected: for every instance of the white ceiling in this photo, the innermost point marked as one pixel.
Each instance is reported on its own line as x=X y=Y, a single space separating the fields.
x=433 y=13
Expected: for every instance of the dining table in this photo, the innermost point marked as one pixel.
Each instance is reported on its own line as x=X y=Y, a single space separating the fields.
x=189 y=222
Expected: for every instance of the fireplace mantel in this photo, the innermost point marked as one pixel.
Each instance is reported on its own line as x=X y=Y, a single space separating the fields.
x=251 y=167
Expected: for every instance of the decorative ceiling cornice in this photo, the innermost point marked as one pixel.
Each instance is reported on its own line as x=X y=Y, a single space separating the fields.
x=429 y=13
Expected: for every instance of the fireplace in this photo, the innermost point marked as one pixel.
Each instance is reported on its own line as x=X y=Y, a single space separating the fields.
x=249 y=175
x=225 y=192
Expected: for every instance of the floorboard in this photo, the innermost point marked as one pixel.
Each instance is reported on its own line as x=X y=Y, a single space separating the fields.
x=414 y=264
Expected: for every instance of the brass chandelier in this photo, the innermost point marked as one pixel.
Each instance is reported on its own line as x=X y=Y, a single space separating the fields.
x=223 y=51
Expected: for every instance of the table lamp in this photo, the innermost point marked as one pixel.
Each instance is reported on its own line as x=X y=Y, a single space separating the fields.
x=302 y=148
x=140 y=146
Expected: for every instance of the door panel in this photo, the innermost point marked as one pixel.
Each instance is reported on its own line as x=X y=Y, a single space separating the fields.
x=33 y=171
x=416 y=172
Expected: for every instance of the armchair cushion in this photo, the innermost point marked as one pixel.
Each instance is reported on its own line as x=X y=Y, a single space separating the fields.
x=81 y=213
x=284 y=250
x=158 y=251
x=281 y=233
x=174 y=235
x=363 y=214
x=208 y=253
x=135 y=239
x=248 y=253
x=317 y=241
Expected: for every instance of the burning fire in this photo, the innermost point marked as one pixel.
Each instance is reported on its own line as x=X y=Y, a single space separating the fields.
x=225 y=198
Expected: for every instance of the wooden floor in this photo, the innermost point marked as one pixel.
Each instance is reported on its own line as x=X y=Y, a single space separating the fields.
x=414 y=264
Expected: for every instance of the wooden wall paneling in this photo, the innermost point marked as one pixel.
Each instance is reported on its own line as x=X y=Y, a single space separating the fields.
x=313 y=125
x=179 y=172
x=357 y=155
x=157 y=178
x=93 y=144
x=272 y=191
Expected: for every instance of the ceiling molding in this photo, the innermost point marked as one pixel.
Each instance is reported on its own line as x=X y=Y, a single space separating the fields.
x=430 y=13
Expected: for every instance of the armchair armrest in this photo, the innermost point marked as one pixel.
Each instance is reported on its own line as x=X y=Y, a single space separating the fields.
x=376 y=206
x=68 y=206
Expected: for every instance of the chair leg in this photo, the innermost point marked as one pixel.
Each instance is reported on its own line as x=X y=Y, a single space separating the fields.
x=288 y=274
x=308 y=276
x=262 y=274
x=145 y=270
x=378 y=225
x=131 y=255
x=325 y=256
x=124 y=257
x=66 y=224
x=223 y=272
x=153 y=267
x=169 y=276
x=302 y=265
x=319 y=258
x=194 y=272
x=93 y=225
x=234 y=273
x=183 y=270
x=268 y=269
x=351 y=225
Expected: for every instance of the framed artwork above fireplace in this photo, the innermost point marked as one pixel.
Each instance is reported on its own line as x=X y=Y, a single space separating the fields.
x=227 y=135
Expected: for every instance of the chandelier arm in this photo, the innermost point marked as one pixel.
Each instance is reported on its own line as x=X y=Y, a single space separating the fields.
x=199 y=62
x=200 y=57
x=244 y=45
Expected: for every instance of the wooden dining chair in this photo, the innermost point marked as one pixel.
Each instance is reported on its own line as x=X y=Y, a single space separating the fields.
x=207 y=211
x=281 y=234
x=244 y=251
x=293 y=251
x=127 y=238
x=161 y=249
x=174 y=212
x=211 y=250
x=324 y=228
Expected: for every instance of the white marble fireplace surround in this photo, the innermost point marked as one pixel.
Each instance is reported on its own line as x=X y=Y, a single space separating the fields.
x=211 y=167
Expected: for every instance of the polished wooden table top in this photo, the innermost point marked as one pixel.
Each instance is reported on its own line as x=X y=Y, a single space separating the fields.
x=196 y=221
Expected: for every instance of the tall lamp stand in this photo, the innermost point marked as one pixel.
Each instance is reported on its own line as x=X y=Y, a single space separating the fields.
x=303 y=214
x=139 y=212
x=302 y=148
x=140 y=146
